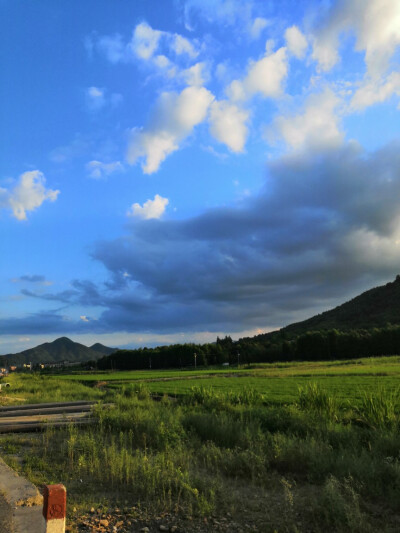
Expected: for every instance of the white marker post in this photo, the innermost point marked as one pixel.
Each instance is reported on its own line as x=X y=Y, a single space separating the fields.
x=55 y=508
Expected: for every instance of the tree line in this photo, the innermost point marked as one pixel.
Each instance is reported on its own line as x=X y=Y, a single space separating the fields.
x=273 y=347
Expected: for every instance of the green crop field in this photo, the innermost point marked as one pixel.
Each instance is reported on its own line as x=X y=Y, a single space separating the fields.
x=286 y=448
x=347 y=380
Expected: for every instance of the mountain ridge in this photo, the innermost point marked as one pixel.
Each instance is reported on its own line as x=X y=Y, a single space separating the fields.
x=374 y=307
x=61 y=349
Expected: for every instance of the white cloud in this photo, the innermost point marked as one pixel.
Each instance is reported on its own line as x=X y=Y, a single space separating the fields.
x=257 y=27
x=152 y=47
x=96 y=98
x=180 y=45
x=265 y=76
x=373 y=92
x=113 y=48
x=228 y=124
x=376 y=24
x=84 y=318
x=316 y=127
x=145 y=43
x=150 y=209
x=174 y=118
x=296 y=42
x=3 y=198
x=195 y=75
x=29 y=194
x=153 y=146
x=161 y=61
x=97 y=169
x=78 y=147
x=226 y=12
x=145 y=40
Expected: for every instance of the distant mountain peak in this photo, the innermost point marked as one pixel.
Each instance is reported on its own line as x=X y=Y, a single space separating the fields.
x=63 y=340
x=61 y=349
x=98 y=347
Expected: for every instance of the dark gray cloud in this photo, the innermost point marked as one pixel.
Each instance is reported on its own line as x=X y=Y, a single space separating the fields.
x=40 y=323
x=323 y=228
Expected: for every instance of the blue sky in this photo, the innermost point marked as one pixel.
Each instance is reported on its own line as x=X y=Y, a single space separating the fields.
x=176 y=170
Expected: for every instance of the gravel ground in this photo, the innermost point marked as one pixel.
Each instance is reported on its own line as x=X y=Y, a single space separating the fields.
x=5 y=516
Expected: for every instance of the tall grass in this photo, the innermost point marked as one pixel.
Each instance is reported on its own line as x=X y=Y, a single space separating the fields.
x=381 y=409
x=212 y=398
x=313 y=398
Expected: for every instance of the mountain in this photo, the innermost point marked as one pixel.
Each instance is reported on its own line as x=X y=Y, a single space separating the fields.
x=376 y=307
x=62 y=349
x=105 y=350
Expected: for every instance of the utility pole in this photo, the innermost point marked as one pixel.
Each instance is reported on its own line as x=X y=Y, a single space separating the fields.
x=195 y=360
x=238 y=355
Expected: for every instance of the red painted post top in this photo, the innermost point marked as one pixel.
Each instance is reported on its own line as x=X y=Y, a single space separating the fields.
x=54 y=502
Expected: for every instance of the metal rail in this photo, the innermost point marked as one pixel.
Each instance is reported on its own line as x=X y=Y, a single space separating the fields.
x=36 y=417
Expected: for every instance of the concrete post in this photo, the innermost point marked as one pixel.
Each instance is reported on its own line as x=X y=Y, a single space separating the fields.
x=55 y=508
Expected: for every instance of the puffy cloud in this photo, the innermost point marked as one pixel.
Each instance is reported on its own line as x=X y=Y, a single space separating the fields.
x=317 y=126
x=376 y=24
x=195 y=75
x=113 y=48
x=97 y=169
x=228 y=124
x=162 y=62
x=173 y=119
x=96 y=98
x=145 y=40
x=4 y=197
x=225 y=12
x=150 y=209
x=257 y=26
x=373 y=92
x=264 y=76
x=296 y=42
x=180 y=45
x=29 y=194
x=147 y=44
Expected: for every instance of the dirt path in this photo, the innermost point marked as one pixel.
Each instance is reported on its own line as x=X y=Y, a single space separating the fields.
x=5 y=516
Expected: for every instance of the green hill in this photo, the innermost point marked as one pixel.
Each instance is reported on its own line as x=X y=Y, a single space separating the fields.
x=376 y=307
x=100 y=348
x=62 y=349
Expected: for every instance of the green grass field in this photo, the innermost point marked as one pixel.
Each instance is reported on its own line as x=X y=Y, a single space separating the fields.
x=279 y=383
x=286 y=448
